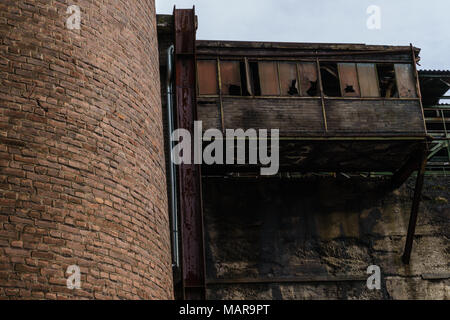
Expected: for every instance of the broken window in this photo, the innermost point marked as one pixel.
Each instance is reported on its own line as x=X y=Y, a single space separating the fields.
x=368 y=80
x=246 y=89
x=386 y=80
x=233 y=78
x=268 y=78
x=207 y=77
x=330 y=79
x=405 y=81
x=348 y=77
x=230 y=75
x=254 y=78
x=288 y=78
x=309 y=85
x=246 y=78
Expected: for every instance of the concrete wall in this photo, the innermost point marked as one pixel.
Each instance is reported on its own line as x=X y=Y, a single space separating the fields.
x=328 y=231
x=82 y=174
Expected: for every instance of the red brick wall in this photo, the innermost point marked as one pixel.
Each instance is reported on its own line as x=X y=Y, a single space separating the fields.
x=82 y=178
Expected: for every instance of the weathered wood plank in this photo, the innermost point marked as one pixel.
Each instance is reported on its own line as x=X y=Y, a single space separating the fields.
x=308 y=77
x=268 y=75
x=207 y=77
x=368 y=80
x=302 y=116
x=288 y=78
x=209 y=114
x=230 y=76
x=348 y=78
x=374 y=116
x=405 y=81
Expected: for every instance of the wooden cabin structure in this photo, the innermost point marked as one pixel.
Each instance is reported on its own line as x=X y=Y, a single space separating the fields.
x=338 y=108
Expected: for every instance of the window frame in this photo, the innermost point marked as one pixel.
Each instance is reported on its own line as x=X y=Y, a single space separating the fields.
x=250 y=85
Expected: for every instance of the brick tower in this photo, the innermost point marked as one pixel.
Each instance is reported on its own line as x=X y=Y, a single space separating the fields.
x=82 y=176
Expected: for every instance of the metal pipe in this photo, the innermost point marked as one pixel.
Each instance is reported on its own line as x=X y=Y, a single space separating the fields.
x=172 y=167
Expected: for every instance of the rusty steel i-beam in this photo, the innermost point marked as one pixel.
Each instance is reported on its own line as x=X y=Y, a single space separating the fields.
x=190 y=199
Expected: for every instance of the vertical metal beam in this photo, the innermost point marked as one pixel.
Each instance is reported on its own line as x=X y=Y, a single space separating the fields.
x=416 y=76
x=190 y=197
x=414 y=210
x=420 y=174
x=322 y=95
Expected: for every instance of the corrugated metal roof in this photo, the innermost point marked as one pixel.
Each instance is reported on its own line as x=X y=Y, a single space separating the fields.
x=435 y=72
x=434 y=84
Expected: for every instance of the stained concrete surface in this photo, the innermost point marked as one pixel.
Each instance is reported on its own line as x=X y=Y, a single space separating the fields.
x=325 y=228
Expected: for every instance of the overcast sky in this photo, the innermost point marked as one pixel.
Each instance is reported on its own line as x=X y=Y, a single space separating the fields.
x=425 y=23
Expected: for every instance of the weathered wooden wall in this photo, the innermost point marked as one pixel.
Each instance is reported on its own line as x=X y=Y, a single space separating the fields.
x=290 y=116
x=384 y=117
x=304 y=117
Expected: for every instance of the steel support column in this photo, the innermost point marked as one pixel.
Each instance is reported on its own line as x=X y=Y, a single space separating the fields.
x=414 y=210
x=420 y=174
x=405 y=171
x=190 y=198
